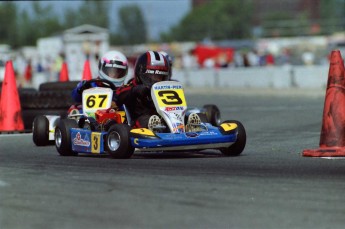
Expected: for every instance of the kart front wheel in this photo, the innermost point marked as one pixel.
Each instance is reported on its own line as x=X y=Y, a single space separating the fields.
x=118 y=143
x=213 y=114
x=63 y=141
x=236 y=148
x=40 y=131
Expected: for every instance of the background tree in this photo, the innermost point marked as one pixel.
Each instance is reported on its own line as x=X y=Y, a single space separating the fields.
x=278 y=23
x=132 y=26
x=90 y=12
x=41 y=22
x=44 y=20
x=27 y=26
x=281 y=23
x=333 y=16
x=24 y=33
x=70 y=19
x=9 y=25
x=216 y=20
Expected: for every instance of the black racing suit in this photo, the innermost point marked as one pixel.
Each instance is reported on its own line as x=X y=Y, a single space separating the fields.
x=137 y=99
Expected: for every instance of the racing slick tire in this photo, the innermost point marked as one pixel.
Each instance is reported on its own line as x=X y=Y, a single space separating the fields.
x=40 y=131
x=236 y=148
x=213 y=114
x=58 y=86
x=45 y=100
x=118 y=143
x=30 y=115
x=63 y=142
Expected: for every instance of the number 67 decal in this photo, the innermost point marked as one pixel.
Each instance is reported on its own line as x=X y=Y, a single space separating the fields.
x=95 y=100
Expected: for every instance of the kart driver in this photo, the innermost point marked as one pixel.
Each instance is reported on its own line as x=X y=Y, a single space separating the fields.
x=113 y=66
x=150 y=67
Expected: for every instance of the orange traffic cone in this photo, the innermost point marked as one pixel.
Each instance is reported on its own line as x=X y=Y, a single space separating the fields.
x=64 y=72
x=332 y=137
x=87 y=71
x=10 y=109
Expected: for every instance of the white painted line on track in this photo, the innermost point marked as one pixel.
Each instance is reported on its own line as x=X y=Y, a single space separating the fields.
x=333 y=158
x=11 y=135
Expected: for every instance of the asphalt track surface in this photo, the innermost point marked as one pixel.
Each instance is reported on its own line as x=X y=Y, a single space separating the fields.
x=269 y=186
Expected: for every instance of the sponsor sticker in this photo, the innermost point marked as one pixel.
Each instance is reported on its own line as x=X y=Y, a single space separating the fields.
x=157 y=72
x=174 y=108
x=81 y=142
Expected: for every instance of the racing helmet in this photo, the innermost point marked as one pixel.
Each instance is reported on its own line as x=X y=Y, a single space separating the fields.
x=113 y=66
x=170 y=60
x=151 y=67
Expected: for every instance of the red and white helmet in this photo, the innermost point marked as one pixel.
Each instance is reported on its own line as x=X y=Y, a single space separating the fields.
x=151 y=67
x=169 y=58
x=113 y=66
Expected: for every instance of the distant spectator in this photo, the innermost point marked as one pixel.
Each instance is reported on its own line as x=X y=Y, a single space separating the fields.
x=28 y=72
x=253 y=58
x=308 y=58
x=270 y=59
x=19 y=65
x=245 y=60
x=189 y=60
x=262 y=59
x=39 y=67
x=209 y=63
x=222 y=61
x=57 y=67
x=238 y=59
x=285 y=57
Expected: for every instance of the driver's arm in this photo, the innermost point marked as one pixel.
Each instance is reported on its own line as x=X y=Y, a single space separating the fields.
x=129 y=93
x=76 y=92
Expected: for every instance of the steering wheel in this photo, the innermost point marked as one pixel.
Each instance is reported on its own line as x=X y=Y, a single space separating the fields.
x=99 y=82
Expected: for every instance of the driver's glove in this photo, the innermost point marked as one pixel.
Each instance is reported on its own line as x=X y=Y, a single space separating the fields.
x=80 y=87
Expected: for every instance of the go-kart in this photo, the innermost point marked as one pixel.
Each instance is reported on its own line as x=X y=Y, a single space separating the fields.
x=43 y=127
x=120 y=140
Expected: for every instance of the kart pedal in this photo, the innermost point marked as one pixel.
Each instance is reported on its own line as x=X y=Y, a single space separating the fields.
x=193 y=123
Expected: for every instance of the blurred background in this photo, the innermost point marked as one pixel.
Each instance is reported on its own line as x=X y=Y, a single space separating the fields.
x=202 y=36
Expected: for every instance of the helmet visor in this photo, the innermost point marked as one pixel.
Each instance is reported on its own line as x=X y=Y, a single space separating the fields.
x=150 y=79
x=115 y=73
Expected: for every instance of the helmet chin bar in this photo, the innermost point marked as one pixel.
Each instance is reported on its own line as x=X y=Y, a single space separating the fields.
x=149 y=79
x=118 y=82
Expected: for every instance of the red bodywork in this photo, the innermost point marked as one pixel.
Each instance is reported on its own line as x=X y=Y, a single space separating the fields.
x=102 y=116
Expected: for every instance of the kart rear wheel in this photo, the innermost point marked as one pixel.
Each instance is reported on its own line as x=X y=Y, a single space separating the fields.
x=236 y=148
x=117 y=142
x=212 y=114
x=63 y=142
x=40 y=131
